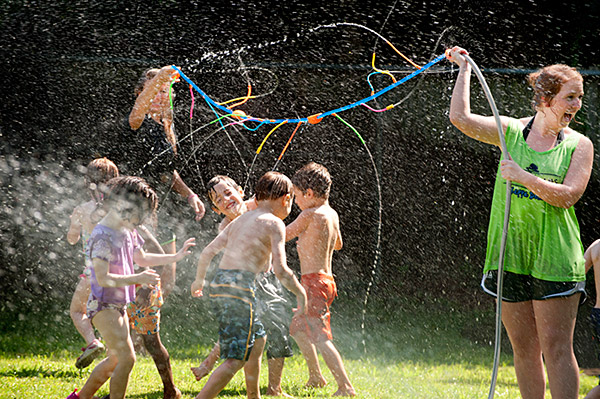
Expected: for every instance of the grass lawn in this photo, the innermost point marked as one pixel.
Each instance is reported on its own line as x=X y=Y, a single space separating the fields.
x=407 y=356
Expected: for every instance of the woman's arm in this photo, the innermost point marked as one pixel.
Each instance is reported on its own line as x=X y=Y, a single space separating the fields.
x=565 y=194
x=182 y=189
x=478 y=127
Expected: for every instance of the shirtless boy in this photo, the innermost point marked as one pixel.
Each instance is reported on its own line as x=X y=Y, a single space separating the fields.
x=318 y=232
x=248 y=243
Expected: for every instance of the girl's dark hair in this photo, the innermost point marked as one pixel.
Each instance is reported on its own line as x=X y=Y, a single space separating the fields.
x=314 y=176
x=134 y=190
x=272 y=185
x=548 y=81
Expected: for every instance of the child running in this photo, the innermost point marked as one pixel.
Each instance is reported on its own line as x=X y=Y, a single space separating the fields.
x=318 y=232
x=83 y=220
x=113 y=247
x=248 y=242
x=272 y=306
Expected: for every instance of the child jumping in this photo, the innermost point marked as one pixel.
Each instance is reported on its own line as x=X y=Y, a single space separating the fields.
x=113 y=247
x=318 y=232
x=83 y=220
x=248 y=242
x=272 y=308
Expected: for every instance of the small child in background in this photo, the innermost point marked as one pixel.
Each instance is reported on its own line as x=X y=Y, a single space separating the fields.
x=249 y=242
x=272 y=306
x=318 y=232
x=592 y=259
x=113 y=247
x=83 y=220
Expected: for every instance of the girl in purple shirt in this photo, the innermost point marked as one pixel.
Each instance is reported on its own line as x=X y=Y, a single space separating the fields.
x=114 y=246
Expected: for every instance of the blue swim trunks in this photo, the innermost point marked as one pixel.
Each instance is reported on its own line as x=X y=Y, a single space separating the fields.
x=275 y=313
x=232 y=293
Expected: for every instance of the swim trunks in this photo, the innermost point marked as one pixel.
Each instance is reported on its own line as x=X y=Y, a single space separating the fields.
x=232 y=293
x=316 y=322
x=274 y=312
x=145 y=318
x=94 y=306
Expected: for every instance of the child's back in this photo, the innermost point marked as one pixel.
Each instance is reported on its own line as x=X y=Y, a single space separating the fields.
x=319 y=239
x=318 y=232
x=249 y=241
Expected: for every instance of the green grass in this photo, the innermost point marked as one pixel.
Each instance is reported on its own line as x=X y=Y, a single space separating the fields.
x=407 y=356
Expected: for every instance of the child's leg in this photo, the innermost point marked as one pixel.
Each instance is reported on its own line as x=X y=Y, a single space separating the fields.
x=275 y=373
x=115 y=331
x=252 y=368
x=160 y=356
x=114 y=328
x=220 y=378
x=334 y=362
x=207 y=364
x=99 y=376
x=78 y=310
x=315 y=377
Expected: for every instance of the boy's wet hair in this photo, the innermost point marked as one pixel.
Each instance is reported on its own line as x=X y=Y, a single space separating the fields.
x=548 y=81
x=272 y=185
x=314 y=176
x=134 y=190
x=98 y=173
x=210 y=186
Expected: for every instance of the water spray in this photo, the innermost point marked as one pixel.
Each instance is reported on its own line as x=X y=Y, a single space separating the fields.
x=500 y=281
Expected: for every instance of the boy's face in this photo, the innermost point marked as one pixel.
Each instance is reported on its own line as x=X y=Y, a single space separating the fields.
x=227 y=200
x=301 y=198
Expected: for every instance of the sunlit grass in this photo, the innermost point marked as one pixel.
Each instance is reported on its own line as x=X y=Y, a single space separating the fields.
x=406 y=357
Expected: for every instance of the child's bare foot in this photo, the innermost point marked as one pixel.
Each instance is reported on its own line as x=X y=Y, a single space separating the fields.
x=200 y=372
x=345 y=392
x=316 y=382
x=277 y=392
x=174 y=395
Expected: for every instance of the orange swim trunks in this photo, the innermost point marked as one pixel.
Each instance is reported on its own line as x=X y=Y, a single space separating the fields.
x=316 y=322
x=145 y=318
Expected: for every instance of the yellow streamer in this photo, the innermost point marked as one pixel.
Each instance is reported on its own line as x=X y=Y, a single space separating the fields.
x=264 y=141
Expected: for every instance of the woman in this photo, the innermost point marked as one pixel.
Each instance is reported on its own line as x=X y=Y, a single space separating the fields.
x=549 y=167
x=152 y=120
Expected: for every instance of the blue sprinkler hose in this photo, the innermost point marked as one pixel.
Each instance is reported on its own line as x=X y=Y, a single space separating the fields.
x=324 y=114
x=500 y=282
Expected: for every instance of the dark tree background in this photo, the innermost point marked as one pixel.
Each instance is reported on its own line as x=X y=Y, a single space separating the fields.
x=68 y=70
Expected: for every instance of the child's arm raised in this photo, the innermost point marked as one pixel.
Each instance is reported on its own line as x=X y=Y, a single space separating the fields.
x=106 y=279
x=144 y=259
x=206 y=256
x=299 y=225
x=282 y=271
x=74 y=232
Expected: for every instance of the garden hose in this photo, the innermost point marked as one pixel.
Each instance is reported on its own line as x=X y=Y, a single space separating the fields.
x=500 y=281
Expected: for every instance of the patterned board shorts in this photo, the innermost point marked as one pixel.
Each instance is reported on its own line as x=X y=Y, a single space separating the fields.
x=145 y=319
x=232 y=293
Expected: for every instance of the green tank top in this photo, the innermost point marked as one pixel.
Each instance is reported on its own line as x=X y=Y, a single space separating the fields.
x=543 y=240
